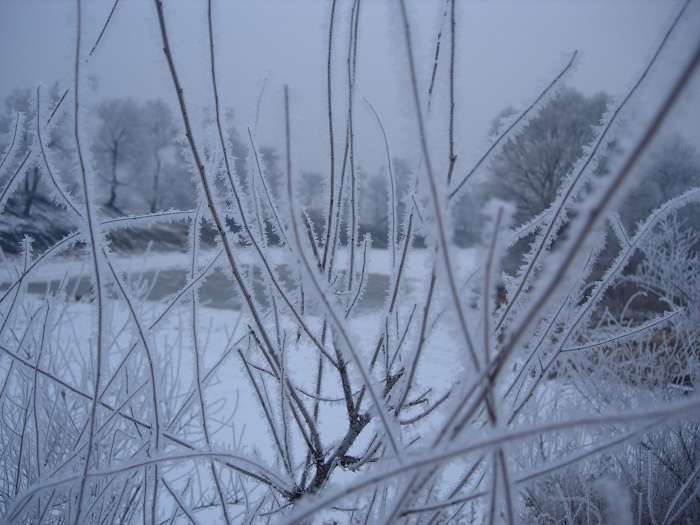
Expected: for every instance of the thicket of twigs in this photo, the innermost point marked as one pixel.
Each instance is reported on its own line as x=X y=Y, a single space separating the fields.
x=556 y=412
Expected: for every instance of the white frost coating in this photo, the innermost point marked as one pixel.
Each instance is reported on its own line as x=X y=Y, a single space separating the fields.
x=11 y=141
x=246 y=382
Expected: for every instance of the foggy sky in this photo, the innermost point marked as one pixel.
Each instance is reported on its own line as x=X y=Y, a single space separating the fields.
x=507 y=52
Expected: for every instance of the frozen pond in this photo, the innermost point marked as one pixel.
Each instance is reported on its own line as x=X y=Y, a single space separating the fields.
x=217 y=290
x=160 y=276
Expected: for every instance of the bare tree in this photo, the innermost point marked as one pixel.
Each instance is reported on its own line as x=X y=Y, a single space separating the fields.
x=159 y=135
x=118 y=147
x=531 y=166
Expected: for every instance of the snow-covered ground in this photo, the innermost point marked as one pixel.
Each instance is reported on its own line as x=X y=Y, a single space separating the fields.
x=237 y=421
x=236 y=417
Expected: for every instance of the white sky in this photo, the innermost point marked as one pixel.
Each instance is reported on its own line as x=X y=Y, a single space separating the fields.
x=508 y=50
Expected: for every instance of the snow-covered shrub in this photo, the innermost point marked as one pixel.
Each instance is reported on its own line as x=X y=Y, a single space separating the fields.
x=445 y=401
x=653 y=481
x=670 y=268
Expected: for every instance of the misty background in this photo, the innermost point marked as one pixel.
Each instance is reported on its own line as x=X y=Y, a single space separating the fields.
x=515 y=49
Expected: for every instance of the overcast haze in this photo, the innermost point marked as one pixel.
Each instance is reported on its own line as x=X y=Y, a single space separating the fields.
x=220 y=337
x=508 y=51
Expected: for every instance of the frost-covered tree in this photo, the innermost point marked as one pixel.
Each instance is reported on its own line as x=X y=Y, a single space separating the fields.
x=270 y=159
x=135 y=149
x=673 y=168
x=118 y=146
x=28 y=181
x=159 y=135
x=375 y=206
x=33 y=186
x=311 y=196
x=530 y=167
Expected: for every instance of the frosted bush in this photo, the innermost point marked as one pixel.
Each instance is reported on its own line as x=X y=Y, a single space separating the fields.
x=461 y=395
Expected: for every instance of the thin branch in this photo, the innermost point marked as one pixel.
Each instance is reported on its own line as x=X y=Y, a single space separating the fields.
x=566 y=197
x=331 y=140
x=515 y=123
x=95 y=241
x=104 y=28
x=9 y=150
x=330 y=308
x=453 y=157
x=426 y=460
x=436 y=196
x=392 y=187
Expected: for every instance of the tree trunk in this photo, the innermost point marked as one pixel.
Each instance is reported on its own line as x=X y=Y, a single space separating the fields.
x=156 y=175
x=114 y=181
x=30 y=186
